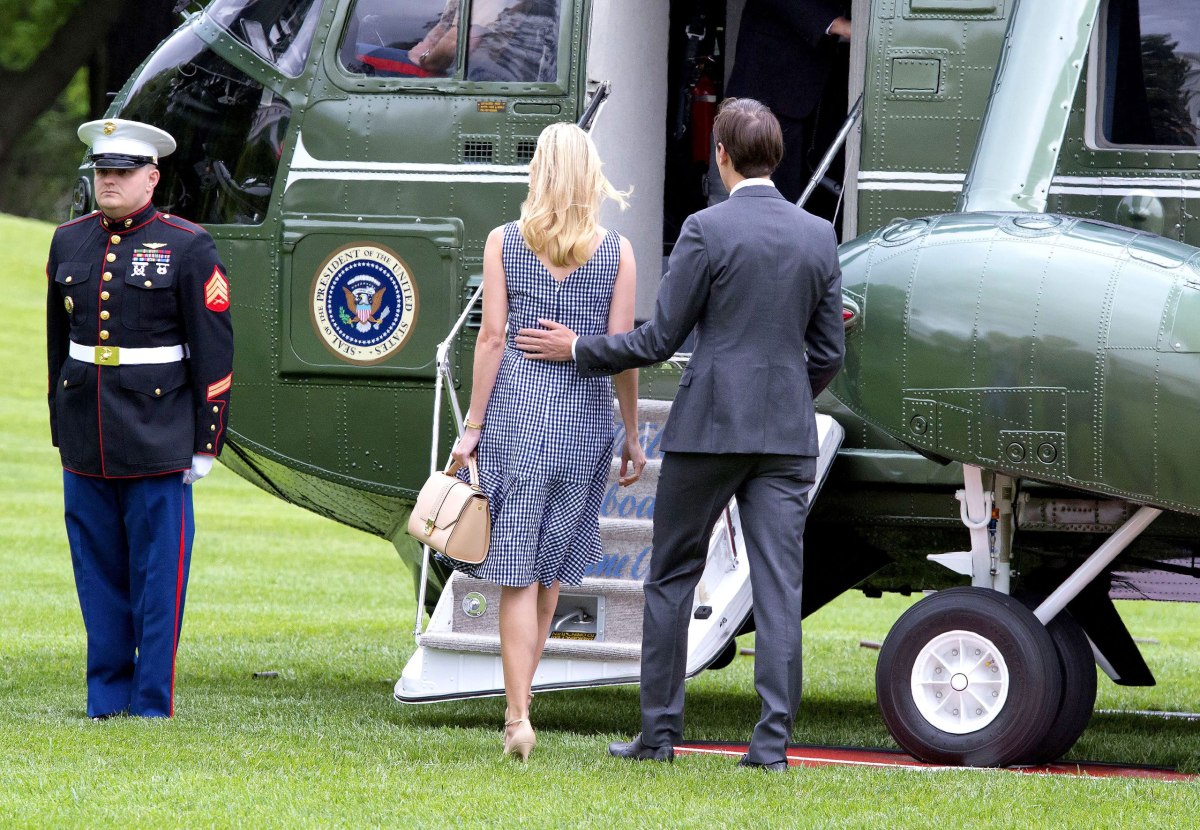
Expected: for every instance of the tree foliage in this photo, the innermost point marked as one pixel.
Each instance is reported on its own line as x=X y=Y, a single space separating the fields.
x=1167 y=73
x=26 y=27
x=58 y=59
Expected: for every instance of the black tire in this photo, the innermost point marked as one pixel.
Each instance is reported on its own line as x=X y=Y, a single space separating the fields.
x=1028 y=652
x=1077 y=665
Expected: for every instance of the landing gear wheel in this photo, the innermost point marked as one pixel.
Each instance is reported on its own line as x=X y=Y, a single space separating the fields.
x=968 y=676
x=1078 y=667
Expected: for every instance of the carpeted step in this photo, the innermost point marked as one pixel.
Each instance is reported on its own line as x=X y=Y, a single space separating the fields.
x=490 y=644
x=652 y=417
x=627 y=549
x=635 y=501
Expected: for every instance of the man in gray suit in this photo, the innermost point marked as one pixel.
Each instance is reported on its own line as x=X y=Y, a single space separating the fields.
x=758 y=280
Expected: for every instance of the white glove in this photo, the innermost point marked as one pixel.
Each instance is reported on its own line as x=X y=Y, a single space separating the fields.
x=201 y=466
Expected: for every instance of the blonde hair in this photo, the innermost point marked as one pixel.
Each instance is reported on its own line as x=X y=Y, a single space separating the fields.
x=560 y=216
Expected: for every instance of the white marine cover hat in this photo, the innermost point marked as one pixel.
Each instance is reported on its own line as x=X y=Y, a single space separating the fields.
x=120 y=144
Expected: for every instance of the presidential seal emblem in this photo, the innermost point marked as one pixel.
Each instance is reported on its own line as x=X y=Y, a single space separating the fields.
x=364 y=303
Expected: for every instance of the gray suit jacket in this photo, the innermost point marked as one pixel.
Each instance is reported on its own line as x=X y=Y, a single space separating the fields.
x=758 y=279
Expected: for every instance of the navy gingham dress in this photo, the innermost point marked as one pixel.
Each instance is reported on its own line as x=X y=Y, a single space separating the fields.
x=547 y=441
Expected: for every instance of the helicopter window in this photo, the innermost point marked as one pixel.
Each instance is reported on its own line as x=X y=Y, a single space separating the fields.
x=416 y=39
x=1151 y=73
x=513 y=40
x=278 y=31
x=229 y=130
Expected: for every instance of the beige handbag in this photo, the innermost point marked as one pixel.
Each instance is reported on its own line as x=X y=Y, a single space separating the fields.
x=452 y=517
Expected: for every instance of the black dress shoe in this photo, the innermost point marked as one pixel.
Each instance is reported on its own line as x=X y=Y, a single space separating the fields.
x=773 y=766
x=635 y=750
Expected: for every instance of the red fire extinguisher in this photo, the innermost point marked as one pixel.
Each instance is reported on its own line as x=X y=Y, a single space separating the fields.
x=704 y=112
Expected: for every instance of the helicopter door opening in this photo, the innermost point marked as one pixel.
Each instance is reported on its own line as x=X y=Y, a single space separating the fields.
x=656 y=131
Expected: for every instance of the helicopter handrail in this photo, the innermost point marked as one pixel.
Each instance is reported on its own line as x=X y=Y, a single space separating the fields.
x=590 y=113
x=445 y=375
x=827 y=159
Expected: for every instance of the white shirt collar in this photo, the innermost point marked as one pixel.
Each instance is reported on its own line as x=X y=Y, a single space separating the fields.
x=756 y=182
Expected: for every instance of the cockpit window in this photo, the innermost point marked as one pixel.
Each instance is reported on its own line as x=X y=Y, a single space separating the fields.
x=278 y=31
x=513 y=41
x=417 y=39
x=1150 y=71
x=510 y=41
x=229 y=130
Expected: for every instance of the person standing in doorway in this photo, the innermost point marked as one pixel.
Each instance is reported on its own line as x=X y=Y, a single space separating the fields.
x=140 y=353
x=785 y=52
x=758 y=280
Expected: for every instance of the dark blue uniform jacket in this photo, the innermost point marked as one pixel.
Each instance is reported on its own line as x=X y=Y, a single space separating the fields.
x=146 y=280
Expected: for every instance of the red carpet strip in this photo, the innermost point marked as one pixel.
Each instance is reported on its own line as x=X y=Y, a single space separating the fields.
x=818 y=756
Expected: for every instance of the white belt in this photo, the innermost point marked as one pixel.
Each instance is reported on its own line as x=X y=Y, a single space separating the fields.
x=116 y=356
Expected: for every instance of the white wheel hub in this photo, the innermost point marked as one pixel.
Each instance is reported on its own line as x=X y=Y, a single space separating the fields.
x=960 y=682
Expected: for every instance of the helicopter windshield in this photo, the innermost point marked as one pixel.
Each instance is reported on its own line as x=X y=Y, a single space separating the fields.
x=278 y=31
x=228 y=127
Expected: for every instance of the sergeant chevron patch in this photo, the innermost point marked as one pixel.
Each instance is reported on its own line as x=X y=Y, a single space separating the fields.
x=216 y=292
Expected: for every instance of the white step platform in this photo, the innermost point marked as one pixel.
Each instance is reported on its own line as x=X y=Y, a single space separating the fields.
x=596 y=636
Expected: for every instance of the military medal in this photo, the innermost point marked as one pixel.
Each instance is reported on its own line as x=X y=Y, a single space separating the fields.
x=151 y=254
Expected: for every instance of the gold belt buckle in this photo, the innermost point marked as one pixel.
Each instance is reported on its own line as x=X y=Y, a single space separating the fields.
x=108 y=356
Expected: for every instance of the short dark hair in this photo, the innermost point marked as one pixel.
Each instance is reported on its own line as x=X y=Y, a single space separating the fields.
x=751 y=136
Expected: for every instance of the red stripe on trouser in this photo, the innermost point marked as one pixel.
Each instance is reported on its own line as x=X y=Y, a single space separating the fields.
x=178 y=594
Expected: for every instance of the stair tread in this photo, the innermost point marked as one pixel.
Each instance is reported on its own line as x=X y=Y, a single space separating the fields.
x=490 y=644
x=617 y=526
x=590 y=586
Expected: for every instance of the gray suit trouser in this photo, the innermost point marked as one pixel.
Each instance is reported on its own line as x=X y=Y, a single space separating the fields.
x=693 y=489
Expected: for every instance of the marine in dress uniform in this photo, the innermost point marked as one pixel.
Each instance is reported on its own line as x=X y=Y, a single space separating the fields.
x=140 y=349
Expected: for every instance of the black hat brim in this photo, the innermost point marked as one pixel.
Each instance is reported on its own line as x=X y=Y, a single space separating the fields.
x=118 y=161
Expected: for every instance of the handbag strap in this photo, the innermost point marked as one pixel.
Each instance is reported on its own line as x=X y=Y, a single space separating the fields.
x=453 y=466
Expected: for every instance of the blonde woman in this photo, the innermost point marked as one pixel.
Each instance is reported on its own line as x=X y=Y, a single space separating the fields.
x=542 y=433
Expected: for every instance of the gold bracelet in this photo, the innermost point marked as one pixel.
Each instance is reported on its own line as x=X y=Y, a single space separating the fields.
x=469 y=424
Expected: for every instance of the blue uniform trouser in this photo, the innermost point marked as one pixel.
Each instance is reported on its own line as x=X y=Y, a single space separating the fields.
x=131 y=547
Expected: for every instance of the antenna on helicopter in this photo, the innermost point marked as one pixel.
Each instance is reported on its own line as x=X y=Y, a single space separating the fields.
x=593 y=108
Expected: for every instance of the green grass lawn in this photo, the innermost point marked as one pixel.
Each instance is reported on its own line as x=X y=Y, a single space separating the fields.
x=275 y=589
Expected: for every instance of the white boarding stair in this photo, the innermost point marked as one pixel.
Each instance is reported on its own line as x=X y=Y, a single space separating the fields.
x=596 y=635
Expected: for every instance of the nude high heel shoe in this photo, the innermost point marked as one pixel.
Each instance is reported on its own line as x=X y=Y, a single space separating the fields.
x=521 y=740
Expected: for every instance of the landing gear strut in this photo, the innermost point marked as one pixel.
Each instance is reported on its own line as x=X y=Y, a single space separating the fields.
x=972 y=676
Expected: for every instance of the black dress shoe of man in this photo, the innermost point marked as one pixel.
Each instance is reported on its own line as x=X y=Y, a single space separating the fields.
x=773 y=766
x=635 y=750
